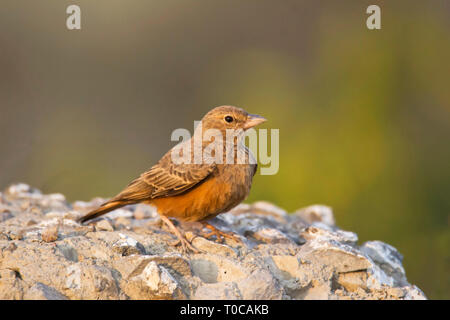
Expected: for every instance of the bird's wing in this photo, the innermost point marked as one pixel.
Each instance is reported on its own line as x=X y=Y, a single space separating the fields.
x=165 y=179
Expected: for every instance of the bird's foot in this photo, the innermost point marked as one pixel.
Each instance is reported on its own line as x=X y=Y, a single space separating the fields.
x=185 y=244
x=220 y=235
x=181 y=239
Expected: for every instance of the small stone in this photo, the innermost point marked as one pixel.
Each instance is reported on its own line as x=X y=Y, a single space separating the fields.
x=83 y=206
x=270 y=235
x=317 y=213
x=122 y=221
x=31 y=222
x=5 y=215
x=25 y=205
x=267 y=208
x=144 y=211
x=122 y=212
x=189 y=235
x=63 y=214
x=18 y=189
x=11 y=247
x=396 y=293
x=104 y=225
x=50 y=234
x=58 y=197
x=326 y=233
x=36 y=210
x=154 y=282
x=413 y=293
x=127 y=246
x=172 y=262
x=16 y=235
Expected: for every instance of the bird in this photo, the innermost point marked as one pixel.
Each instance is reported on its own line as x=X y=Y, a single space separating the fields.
x=192 y=190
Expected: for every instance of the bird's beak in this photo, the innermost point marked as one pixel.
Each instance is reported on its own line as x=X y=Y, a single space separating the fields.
x=253 y=120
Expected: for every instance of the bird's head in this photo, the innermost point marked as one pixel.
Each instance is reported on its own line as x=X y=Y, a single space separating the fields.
x=229 y=117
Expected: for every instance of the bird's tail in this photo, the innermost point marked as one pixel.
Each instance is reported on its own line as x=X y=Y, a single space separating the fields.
x=104 y=208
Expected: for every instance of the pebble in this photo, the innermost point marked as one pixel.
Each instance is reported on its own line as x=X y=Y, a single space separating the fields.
x=16 y=235
x=144 y=211
x=104 y=225
x=317 y=213
x=50 y=234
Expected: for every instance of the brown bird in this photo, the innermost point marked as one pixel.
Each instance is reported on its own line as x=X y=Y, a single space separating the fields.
x=196 y=190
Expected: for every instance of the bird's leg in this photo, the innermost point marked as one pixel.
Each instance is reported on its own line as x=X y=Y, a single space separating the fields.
x=219 y=233
x=186 y=245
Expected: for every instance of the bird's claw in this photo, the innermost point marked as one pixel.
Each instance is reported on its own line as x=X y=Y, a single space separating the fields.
x=220 y=235
x=186 y=246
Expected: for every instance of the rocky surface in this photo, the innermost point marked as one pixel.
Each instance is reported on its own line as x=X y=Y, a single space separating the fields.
x=45 y=254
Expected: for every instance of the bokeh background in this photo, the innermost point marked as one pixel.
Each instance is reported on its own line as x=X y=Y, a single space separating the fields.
x=364 y=116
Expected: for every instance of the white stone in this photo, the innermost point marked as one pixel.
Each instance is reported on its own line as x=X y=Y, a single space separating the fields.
x=319 y=213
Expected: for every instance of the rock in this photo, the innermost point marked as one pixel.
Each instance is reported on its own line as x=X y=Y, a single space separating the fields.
x=31 y=222
x=214 y=268
x=104 y=225
x=387 y=258
x=351 y=281
x=327 y=251
x=46 y=254
x=122 y=222
x=175 y=263
x=154 y=282
x=127 y=246
x=326 y=234
x=90 y=282
x=218 y=291
x=317 y=213
x=16 y=235
x=121 y=212
x=144 y=211
x=270 y=235
x=213 y=247
x=5 y=215
x=316 y=290
x=42 y=292
x=241 y=208
x=267 y=208
x=11 y=285
x=260 y=285
x=412 y=293
x=50 y=233
x=69 y=252
x=20 y=189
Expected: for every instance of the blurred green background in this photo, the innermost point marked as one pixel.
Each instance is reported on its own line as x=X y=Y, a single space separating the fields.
x=364 y=116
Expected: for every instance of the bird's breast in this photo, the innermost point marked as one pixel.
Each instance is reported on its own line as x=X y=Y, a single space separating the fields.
x=222 y=191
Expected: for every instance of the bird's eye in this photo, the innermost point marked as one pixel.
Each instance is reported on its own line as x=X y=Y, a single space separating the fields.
x=229 y=119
